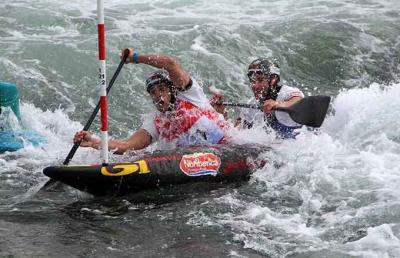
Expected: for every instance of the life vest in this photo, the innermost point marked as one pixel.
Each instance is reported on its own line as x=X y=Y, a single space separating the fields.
x=282 y=131
x=187 y=120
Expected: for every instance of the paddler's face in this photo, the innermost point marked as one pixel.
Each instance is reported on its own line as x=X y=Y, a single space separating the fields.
x=259 y=84
x=161 y=96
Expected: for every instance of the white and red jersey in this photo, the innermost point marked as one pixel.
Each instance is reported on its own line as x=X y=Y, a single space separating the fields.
x=193 y=122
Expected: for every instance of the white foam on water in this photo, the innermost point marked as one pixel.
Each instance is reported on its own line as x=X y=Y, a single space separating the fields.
x=365 y=117
x=329 y=184
x=56 y=131
x=379 y=242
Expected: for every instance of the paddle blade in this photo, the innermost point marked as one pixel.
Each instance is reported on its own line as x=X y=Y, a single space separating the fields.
x=309 y=111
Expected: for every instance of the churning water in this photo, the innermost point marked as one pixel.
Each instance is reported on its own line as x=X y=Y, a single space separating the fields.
x=331 y=194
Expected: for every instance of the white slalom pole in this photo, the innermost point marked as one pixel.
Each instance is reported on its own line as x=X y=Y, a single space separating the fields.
x=102 y=76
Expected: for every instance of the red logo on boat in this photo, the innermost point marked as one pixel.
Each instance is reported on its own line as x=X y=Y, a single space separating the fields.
x=198 y=164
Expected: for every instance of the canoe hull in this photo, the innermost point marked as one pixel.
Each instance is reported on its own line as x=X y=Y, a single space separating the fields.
x=209 y=164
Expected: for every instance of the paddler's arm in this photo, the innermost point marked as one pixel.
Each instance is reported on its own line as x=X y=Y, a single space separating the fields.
x=139 y=140
x=270 y=104
x=178 y=76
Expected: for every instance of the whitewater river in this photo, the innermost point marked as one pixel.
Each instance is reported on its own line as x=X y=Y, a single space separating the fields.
x=331 y=194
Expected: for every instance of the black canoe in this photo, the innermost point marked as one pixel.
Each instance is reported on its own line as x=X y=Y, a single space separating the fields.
x=218 y=163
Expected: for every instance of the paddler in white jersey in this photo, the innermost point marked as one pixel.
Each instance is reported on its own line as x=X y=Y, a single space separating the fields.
x=183 y=113
x=264 y=76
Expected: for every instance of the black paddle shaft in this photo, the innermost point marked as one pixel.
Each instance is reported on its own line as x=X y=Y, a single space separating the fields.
x=96 y=110
x=309 y=111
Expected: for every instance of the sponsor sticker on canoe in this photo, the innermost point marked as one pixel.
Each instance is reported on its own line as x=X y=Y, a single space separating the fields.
x=198 y=164
x=139 y=166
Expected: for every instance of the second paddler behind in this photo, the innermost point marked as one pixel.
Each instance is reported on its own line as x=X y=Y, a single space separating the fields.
x=183 y=114
x=264 y=76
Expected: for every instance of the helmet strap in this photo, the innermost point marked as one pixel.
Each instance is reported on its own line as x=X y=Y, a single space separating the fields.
x=271 y=93
x=172 y=101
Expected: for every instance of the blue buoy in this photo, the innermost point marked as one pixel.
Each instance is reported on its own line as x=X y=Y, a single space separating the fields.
x=9 y=97
x=10 y=141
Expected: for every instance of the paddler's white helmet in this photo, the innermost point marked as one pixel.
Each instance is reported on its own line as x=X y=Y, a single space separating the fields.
x=263 y=66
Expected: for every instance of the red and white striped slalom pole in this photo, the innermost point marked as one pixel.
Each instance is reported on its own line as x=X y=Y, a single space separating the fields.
x=102 y=76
